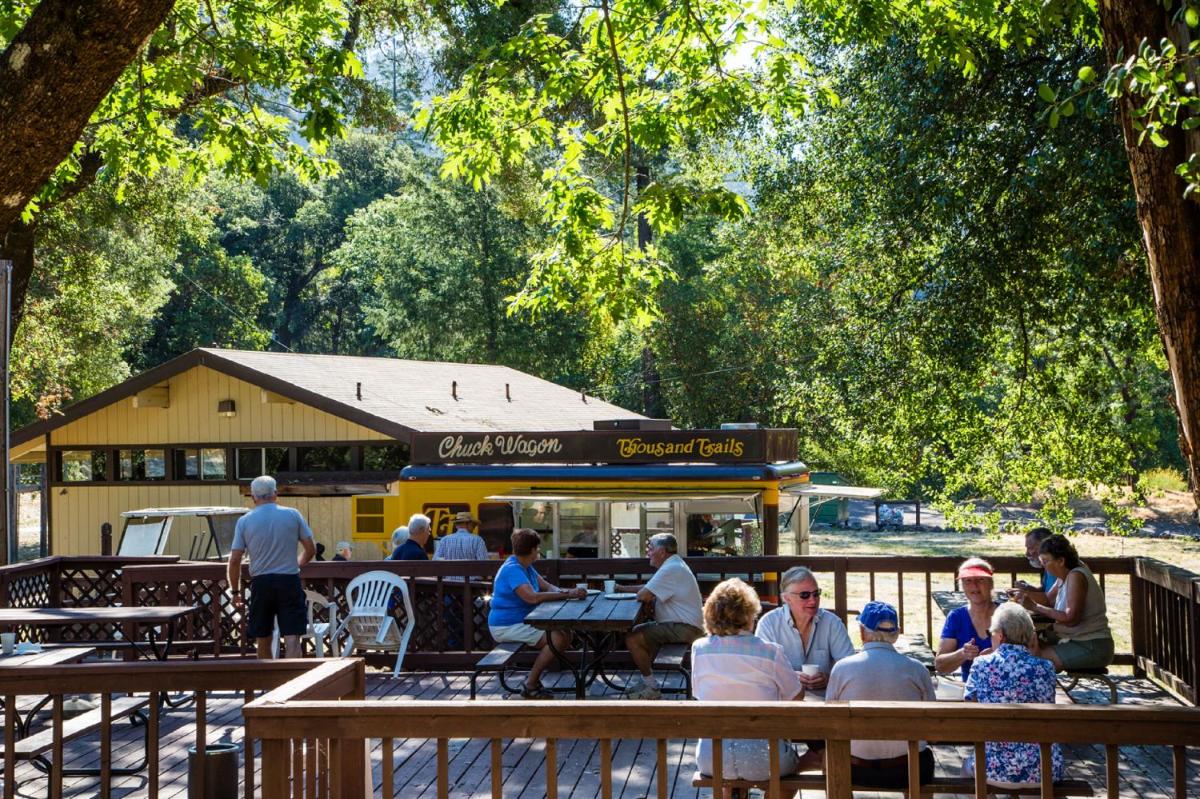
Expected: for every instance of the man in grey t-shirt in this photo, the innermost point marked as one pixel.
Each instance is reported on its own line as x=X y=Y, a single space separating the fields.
x=880 y=673
x=269 y=535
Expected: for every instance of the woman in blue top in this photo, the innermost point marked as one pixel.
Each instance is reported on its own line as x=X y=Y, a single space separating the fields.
x=517 y=588
x=966 y=634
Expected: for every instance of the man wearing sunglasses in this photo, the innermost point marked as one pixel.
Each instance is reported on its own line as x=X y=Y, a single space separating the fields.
x=812 y=638
x=809 y=635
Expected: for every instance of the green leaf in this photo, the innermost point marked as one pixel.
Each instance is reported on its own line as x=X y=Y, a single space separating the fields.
x=1046 y=93
x=1087 y=74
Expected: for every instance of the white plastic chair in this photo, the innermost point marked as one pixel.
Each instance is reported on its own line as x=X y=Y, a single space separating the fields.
x=369 y=623
x=318 y=631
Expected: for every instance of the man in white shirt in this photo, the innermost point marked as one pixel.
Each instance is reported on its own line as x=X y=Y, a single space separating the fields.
x=678 y=612
x=809 y=634
x=877 y=673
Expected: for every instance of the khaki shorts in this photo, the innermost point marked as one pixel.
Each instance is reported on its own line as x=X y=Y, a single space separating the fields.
x=659 y=633
x=521 y=632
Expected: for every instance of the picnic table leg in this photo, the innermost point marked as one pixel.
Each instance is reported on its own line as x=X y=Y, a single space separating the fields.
x=562 y=658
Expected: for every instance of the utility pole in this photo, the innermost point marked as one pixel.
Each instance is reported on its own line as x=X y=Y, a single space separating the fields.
x=8 y=553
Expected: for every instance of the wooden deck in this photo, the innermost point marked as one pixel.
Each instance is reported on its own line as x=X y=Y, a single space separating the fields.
x=1145 y=771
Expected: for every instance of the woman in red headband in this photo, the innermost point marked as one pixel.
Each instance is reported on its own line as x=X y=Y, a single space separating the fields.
x=966 y=634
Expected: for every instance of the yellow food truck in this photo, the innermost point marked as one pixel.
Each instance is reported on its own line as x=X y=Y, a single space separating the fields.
x=603 y=493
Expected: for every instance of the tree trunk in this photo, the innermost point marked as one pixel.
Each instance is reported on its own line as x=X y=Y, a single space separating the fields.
x=53 y=76
x=1170 y=225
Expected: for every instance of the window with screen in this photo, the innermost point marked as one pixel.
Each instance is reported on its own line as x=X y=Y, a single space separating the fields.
x=212 y=463
x=82 y=465
x=186 y=464
x=384 y=457
x=254 y=461
x=578 y=524
x=137 y=465
x=324 y=459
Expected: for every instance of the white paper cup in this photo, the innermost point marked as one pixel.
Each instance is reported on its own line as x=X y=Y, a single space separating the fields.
x=809 y=670
x=610 y=586
x=582 y=586
x=8 y=642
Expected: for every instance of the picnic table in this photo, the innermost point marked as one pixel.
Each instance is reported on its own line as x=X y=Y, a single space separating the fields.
x=47 y=657
x=598 y=621
x=150 y=618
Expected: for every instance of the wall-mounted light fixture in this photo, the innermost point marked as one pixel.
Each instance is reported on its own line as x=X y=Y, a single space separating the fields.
x=226 y=408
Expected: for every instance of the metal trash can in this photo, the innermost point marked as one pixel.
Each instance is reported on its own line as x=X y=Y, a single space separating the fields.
x=220 y=771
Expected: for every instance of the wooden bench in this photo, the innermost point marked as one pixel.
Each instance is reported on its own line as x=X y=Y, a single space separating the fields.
x=677 y=658
x=792 y=783
x=498 y=661
x=34 y=747
x=1069 y=679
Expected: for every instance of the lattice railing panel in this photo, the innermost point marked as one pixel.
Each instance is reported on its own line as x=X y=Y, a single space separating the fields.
x=89 y=588
x=31 y=590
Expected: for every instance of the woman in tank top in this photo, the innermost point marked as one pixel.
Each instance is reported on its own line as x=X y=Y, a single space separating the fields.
x=1076 y=605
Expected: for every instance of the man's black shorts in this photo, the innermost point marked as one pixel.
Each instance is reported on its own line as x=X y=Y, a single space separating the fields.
x=276 y=595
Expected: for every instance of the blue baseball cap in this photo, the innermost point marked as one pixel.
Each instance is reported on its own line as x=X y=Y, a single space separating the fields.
x=879 y=617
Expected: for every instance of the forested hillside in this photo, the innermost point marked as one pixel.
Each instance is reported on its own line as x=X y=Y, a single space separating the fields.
x=945 y=290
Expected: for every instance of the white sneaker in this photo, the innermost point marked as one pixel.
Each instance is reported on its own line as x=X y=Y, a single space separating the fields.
x=644 y=692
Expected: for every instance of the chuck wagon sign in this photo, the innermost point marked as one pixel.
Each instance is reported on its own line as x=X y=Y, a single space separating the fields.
x=605 y=446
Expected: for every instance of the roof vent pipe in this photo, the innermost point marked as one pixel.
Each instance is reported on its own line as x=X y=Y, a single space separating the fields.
x=454 y=389
x=358 y=390
x=507 y=393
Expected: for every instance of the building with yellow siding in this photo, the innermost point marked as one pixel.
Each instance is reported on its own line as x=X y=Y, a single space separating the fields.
x=195 y=430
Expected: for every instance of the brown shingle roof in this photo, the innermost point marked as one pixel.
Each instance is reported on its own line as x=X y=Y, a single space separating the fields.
x=398 y=396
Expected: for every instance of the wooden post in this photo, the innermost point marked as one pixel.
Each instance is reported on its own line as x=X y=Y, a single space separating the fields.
x=1194 y=625
x=10 y=741
x=276 y=765
x=914 y=769
x=1137 y=621
x=498 y=770
x=10 y=530
x=106 y=539
x=837 y=770
x=201 y=740
x=771 y=528
x=840 y=604
x=105 y=745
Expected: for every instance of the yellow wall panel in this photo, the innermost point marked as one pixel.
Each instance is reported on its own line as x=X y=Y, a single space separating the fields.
x=192 y=418
x=78 y=511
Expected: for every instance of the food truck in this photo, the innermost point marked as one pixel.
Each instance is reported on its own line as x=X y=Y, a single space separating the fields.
x=602 y=493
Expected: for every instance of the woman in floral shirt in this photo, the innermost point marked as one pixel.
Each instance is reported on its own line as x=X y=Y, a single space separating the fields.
x=1010 y=675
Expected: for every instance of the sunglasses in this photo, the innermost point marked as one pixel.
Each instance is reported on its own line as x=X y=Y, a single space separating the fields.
x=803 y=594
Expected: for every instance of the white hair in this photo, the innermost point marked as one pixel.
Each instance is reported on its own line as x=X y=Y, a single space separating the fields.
x=796 y=574
x=399 y=536
x=886 y=636
x=1014 y=622
x=263 y=487
x=419 y=521
x=665 y=541
x=343 y=545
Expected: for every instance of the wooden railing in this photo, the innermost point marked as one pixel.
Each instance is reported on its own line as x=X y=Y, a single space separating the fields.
x=158 y=679
x=1163 y=632
x=295 y=732
x=1166 y=630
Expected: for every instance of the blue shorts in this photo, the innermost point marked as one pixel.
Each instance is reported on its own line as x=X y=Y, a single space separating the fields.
x=276 y=596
